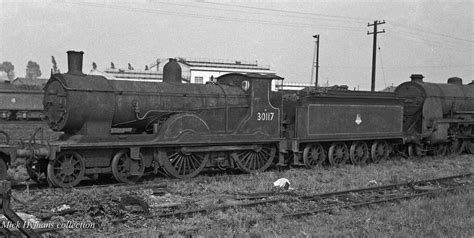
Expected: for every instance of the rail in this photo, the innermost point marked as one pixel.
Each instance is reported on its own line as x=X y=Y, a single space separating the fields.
x=407 y=190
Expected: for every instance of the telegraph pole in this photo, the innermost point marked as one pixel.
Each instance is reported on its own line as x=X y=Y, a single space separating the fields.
x=374 y=50
x=315 y=60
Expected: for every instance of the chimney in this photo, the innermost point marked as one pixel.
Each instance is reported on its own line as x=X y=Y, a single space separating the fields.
x=74 y=62
x=455 y=80
x=417 y=78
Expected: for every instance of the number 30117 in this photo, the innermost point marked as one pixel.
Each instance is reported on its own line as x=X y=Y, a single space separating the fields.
x=265 y=116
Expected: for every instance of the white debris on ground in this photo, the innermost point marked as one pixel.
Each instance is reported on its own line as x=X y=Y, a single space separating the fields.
x=25 y=217
x=165 y=201
x=61 y=208
x=372 y=183
x=283 y=183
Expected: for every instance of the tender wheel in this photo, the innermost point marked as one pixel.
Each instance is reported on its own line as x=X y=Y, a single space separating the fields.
x=455 y=147
x=379 y=151
x=415 y=151
x=67 y=170
x=338 y=153
x=469 y=146
x=314 y=155
x=257 y=160
x=3 y=169
x=4 y=138
x=126 y=169
x=359 y=152
x=182 y=165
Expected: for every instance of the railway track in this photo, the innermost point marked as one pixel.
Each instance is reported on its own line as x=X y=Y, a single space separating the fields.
x=303 y=205
x=381 y=194
x=32 y=187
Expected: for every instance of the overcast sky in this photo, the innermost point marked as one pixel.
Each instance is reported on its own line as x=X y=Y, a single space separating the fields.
x=434 y=38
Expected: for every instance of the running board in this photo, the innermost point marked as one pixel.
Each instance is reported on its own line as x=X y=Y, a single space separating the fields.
x=189 y=149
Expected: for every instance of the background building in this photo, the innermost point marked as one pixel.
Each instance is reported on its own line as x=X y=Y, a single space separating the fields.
x=134 y=74
x=204 y=70
x=282 y=85
x=193 y=70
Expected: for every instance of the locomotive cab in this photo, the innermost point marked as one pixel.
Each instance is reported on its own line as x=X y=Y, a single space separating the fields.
x=263 y=117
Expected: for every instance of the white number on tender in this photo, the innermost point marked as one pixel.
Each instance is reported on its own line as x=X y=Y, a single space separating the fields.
x=265 y=116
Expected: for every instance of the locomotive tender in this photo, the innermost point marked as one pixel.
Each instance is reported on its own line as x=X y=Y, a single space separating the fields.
x=342 y=125
x=236 y=123
x=20 y=102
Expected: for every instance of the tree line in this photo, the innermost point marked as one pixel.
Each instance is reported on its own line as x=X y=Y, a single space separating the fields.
x=33 y=70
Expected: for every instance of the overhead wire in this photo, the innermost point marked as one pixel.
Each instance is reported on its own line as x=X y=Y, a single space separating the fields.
x=293 y=14
x=401 y=33
x=381 y=62
x=290 y=11
x=441 y=42
x=430 y=42
x=418 y=30
x=341 y=17
x=212 y=17
x=467 y=66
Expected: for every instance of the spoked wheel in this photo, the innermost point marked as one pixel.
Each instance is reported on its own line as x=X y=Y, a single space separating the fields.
x=183 y=165
x=415 y=151
x=67 y=170
x=469 y=146
x=455 y=147
x=4 y=138
x=3 y=169
x=380 y=151
x=359 y=152
x=126 y=169
x=256 y=160
x=314 y=155
x=338 y=153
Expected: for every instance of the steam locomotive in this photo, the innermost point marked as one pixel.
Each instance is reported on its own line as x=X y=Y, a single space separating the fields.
x=235 y=123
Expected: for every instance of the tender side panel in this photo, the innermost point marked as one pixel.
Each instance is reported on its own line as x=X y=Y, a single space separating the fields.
x=349 y=121
x=21 y=100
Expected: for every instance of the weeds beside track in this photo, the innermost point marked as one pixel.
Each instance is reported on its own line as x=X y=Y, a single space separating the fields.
x=316 y=203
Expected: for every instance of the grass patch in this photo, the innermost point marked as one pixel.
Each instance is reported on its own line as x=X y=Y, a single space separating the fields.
x=450 y=215
x=408 y=218
x=445 y=216
x=327 y=179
